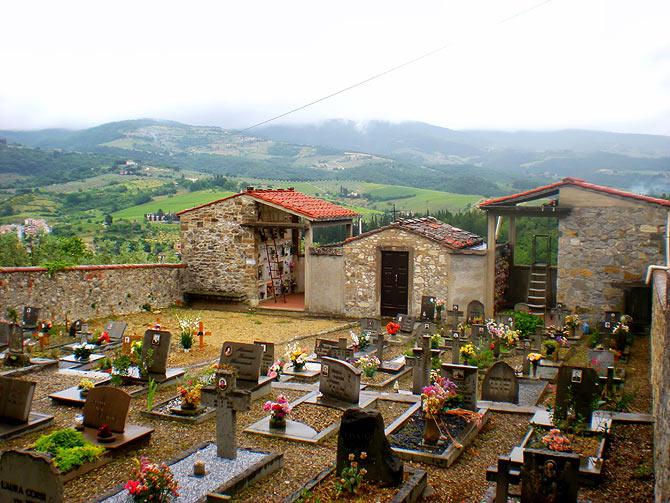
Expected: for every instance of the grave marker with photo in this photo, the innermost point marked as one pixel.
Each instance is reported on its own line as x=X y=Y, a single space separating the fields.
x=406 y=323
x=30 y=317
x=246 y=358
x=428 y=308
x=549 y=477
x=576 y=388
x=116 y=329
x=339 y=381
x=158 y=341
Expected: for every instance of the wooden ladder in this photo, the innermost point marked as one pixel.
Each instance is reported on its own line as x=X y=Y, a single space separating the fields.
x=538 y=282
x=276 y=281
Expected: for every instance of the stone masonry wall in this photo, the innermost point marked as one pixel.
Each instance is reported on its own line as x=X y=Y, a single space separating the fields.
x=430 y=272
x=660 y=384
x=601 y=249
x=219 y=251
x=90 y=291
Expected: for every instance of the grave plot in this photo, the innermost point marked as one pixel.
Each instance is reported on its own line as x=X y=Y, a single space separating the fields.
x=217 y=470
x=436 y=430
x=152 y=362
x=367 y=464
x=76 y=395
x=316 y=416
x=16 y=417
x=573 y=427
x=502 y=390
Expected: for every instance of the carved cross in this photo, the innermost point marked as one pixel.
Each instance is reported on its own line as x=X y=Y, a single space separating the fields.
x=456 y=348
x=421 y=371
x=228 y=401
x=455 y=315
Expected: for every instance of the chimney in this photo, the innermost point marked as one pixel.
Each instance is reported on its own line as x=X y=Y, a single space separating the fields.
x=249 y=189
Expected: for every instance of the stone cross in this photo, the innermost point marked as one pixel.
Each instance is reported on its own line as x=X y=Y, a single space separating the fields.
x=525 y=351
x=456 y=348
x=228 y=401
x=610 y=380
x=455 y=315
x=422 y=367
x=380 y=347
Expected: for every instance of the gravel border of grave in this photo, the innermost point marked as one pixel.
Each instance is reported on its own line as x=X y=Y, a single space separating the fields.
x=206 y=414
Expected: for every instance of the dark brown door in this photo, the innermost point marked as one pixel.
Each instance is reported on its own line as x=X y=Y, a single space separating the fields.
x=395 y=283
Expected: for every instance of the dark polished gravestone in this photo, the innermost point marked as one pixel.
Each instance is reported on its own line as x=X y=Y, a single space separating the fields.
x=406 y=323
x=110 y=406
x=267 y=357
x=116 y=329
x=30 y=317
x=27 y=477
x=4 y=333
x=16 y=398
x=247 y=360
x=428 y=308
x=576 y=389
x=466 y=380
x=339 y=382
x=363 y=431
x=549 y=477
x=500 y=384
x=158 y=341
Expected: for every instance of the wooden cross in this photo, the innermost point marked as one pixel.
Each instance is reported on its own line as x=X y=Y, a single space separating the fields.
x=228 y=401
x=610 y=380
x=455 y=315
x=421 y=371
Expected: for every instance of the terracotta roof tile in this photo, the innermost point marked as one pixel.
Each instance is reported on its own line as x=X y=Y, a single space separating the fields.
x=446 y=235
x=576 y=182
x=310 y=207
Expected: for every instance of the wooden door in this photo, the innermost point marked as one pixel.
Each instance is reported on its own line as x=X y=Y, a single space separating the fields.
x=395 y=283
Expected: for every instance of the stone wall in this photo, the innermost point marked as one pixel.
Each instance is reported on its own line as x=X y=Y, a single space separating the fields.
x=433 y=270
x=219 y=251
x=603 y=249
x=90 y=291
x=660 y=384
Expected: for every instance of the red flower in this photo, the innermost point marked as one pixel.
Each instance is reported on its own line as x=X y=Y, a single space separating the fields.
x=392 y=328
x=132 y=486
x=104 y=338
x=492 y=346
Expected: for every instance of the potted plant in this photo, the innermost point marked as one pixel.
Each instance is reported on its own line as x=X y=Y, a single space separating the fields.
x=105 y=435
x=369 y=365
x=152 y=482
x=435 y=341
x=186 y=339
x=84 y=386
x=190 y=394
x=297 y=357
x=279 y=410
x=571 y=322
x=82 y=353
x=469 y=354
x=550 y=347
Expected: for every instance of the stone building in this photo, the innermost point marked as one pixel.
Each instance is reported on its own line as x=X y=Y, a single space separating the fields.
x=606 y=240
x=386 y=271
x=249 y=247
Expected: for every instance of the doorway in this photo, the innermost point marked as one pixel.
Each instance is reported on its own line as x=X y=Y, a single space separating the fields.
x=394 y=283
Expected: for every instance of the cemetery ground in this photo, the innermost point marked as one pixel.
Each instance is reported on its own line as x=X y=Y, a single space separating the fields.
x=628 y=471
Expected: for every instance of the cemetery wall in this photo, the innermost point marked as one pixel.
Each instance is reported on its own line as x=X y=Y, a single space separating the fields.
x=660 y=384
x=605 y=243
x=433 y=270
x=221 y=253
x=91 y=291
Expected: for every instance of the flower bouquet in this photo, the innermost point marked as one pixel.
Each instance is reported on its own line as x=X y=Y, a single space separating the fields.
x=297 y=357
x=392 y=328
x=278 y=411
x=360 y=342
x=84 y=386
x=275 y=370
x=152 y=483
x=103 y=339
x=556 y=441
x=105 y=435
x=534 y=359
x=369 y=365
x=82 y=352
x=190 y=395
x=469 y=354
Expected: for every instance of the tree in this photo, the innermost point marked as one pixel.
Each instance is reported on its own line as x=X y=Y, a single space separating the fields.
x=108 y=219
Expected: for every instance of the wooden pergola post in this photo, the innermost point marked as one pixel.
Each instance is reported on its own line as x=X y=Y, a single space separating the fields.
x=490 y=282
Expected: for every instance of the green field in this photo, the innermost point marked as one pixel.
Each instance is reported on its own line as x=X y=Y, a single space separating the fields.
x=170 y=204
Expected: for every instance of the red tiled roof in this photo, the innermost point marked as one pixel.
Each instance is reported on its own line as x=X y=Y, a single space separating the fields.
x=310 y=207
x=446 y=235
x=575 y=182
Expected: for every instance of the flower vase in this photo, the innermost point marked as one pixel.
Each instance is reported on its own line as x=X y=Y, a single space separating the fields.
x=188 y=405
x=535 y=365
x=298 y=367
x=431 y=432
x=438 y=315
x=496 y=350
x=278 y=423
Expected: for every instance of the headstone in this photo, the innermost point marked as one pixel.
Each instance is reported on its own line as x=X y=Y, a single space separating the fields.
x=549 y=477
x=425 y=328
x=500 y=384
x=379 y=346
x=406 y=323
x=246 y=358
x=334 y=349
x=4 y=333
x=422 y=365
x=525 y=351
x=454 y=314
x=30 y=316
x=475 y=311
x=26 y=477
x=477 y=333
x=127 y=342
x=601 y=360
x=75 y=328
x=159 y=343
x=610 y=380
x=16 y=398
x=15 y=339
x=268 y=356
x=363 y=431
x=465 y=378
x=228 y=401
x=577 y=388
x=116 y=329
x=370 y=325
x=339 y=381
x=428 y=308
x=106 y=405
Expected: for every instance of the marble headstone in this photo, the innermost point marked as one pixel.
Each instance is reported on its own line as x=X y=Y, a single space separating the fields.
x=106 y=405
x=500 y=384
x=339 y=381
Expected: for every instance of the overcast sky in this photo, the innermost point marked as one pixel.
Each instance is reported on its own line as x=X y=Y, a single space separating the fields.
x=568 y=64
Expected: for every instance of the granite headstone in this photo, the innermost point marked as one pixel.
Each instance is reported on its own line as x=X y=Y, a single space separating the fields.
x=106 y=405
x=16 y=398
x=339 y=381
x=576 y=389
x=159 y=343
x=500 y=384
x=26 y=477
x=465 y=378
x=246 y=358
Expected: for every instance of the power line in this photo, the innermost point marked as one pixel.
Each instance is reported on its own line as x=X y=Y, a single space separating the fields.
x=390 y=70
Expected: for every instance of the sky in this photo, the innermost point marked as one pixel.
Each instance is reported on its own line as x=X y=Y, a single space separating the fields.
x=593 y=64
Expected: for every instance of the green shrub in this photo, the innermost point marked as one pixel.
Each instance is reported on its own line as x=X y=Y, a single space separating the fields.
x=186 y=340
x=59 y=439
x=74 y=457
x=484 y=359
x=526 y=323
